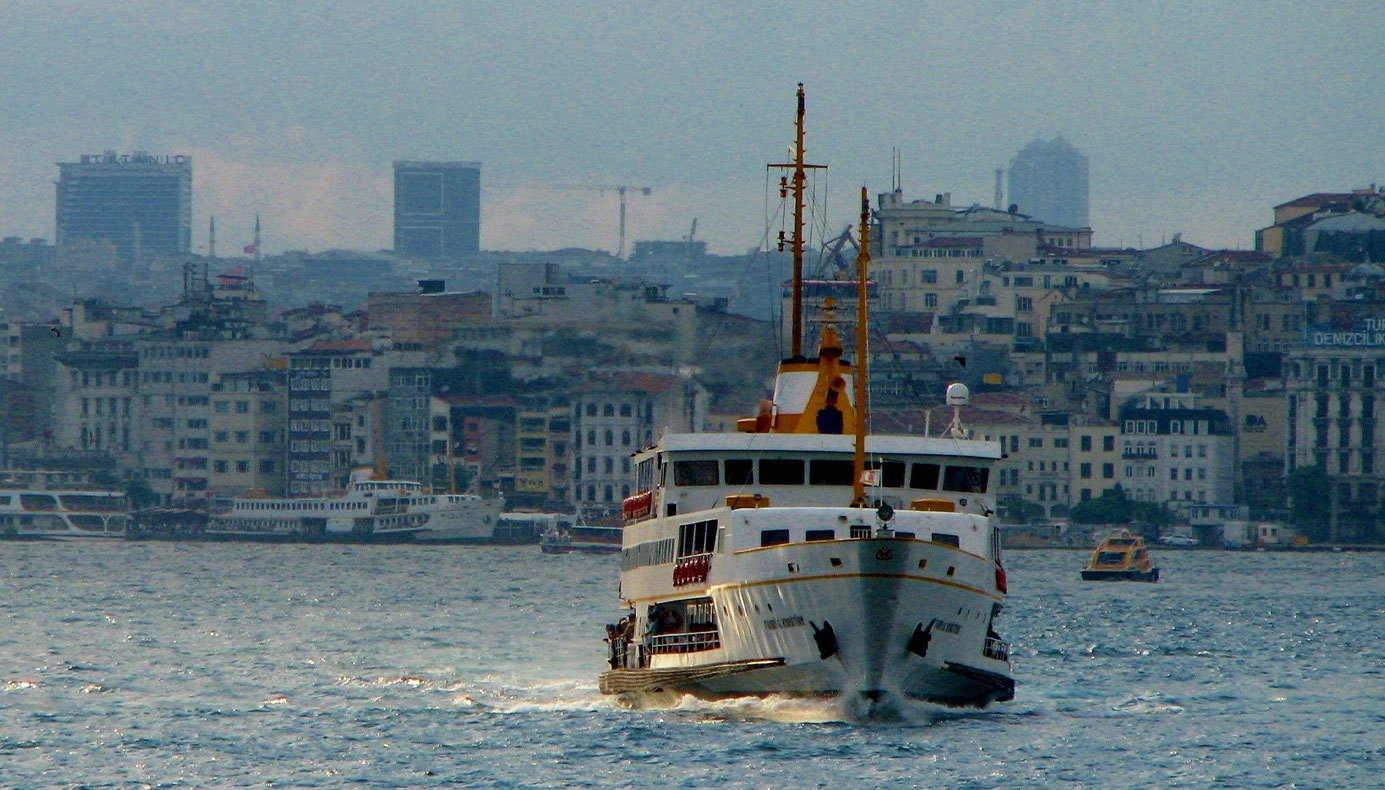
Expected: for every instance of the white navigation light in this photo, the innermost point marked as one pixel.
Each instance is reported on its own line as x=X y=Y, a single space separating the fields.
x=957 y=394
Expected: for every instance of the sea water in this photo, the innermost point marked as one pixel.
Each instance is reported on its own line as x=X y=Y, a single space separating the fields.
x=223 y=665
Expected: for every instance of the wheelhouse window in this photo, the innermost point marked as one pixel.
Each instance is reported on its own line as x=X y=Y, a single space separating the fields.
x=924 y=476
x=966 y=479
x=891 y=472
x=829 y=473
x=740 y=472
x=773 y=537
x=781 y=471
x=822 y=534
x=695 y=473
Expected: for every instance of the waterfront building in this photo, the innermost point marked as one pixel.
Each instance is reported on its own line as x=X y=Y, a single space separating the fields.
x=138 y=202
x=437 y=209
x=1048 y=180
x=1178 y=452
x=1333 y=382
x=613 y=416
x=247 y=417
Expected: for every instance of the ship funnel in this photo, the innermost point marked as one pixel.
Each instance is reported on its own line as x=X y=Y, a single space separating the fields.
x=957 y=394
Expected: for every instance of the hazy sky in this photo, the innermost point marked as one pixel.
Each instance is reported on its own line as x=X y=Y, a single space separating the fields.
x=1196 y=118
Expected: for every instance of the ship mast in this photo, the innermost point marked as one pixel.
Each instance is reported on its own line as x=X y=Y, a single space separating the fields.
x=862 y=391
x=797 y=186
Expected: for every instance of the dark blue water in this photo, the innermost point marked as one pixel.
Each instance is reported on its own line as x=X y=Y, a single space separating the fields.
x=164 y=665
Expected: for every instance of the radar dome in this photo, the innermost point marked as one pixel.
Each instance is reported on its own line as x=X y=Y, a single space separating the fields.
x=957 y=394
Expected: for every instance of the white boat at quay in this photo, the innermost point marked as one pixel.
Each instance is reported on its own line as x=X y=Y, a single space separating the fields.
x=369 y=510
x=800 y=556
x=56 y=504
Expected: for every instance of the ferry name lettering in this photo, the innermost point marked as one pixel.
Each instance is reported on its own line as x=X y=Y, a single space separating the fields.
x=783 y=622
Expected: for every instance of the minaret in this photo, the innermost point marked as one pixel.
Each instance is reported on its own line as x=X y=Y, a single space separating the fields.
x=211 y=237
x=257 y=238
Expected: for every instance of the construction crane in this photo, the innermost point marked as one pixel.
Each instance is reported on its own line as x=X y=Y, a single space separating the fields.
x=620 y=189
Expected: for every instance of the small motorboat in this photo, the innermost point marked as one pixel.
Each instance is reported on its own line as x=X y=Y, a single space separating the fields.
x=1121 y=556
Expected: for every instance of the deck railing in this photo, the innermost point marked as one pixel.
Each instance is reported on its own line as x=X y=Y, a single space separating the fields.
x=685 y=643
x=998 y=649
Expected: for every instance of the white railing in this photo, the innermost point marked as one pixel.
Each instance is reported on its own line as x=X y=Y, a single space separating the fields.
x=684 y=643
x=997 y=649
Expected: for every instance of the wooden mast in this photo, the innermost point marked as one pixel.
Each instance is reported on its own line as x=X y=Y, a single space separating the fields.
x=862 y=390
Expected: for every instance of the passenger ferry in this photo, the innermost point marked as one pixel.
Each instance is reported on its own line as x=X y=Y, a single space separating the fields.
x=58 y=504
x=369 y=510
x=1121 y=556
x=800 y=556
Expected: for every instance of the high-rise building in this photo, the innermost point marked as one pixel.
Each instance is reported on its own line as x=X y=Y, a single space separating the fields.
x=437 y=209
x=138 y=202
x=1048 y=181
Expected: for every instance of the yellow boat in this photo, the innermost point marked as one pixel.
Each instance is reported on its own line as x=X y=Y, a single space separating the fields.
x=1121 y=556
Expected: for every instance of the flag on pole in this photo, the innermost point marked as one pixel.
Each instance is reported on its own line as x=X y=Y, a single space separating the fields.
x=870 y=477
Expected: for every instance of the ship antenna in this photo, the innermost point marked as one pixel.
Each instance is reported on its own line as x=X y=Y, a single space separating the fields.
x=862 y=328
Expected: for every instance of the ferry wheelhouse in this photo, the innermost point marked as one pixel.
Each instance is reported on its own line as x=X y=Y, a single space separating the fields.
x=369 y=510
x=802 y=556
x=55 y=504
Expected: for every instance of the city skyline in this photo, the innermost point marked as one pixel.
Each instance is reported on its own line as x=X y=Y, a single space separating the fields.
x=1195 y=122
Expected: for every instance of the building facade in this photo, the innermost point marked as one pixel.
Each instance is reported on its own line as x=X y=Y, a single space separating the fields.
x=140 y=203
x=437 y=209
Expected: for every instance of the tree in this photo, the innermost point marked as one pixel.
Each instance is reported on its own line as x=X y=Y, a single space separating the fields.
x=140 y=494
x=1310 y=509
x=1019 y=510
x=1114 y=507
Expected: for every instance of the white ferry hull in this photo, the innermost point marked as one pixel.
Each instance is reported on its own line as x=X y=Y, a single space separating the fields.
x=472 y=523
x=886 y=626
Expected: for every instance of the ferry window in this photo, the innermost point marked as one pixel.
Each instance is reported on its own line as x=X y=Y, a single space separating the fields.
x=891 y=473
x=697 y=538
x=822 y=534
x=924 y=476
x=966 y=478
x=773 y=537
x=740 y=472
x=946 y=539
x=781 y=471
x=695 y=473
x=829 y=473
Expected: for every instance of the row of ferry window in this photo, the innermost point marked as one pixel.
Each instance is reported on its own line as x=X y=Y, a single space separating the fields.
x=700 y=538
x=827 y=472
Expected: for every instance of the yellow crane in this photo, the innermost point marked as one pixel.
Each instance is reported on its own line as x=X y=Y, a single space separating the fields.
x=620 y=189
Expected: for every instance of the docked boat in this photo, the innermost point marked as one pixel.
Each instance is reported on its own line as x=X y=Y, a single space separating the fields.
x=1121 y=556
x=581 y=538
x=801 y=556
x=57 y=504
x=369 y=510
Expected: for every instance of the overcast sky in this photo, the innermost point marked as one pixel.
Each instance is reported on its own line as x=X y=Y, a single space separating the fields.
x=1196 y=118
